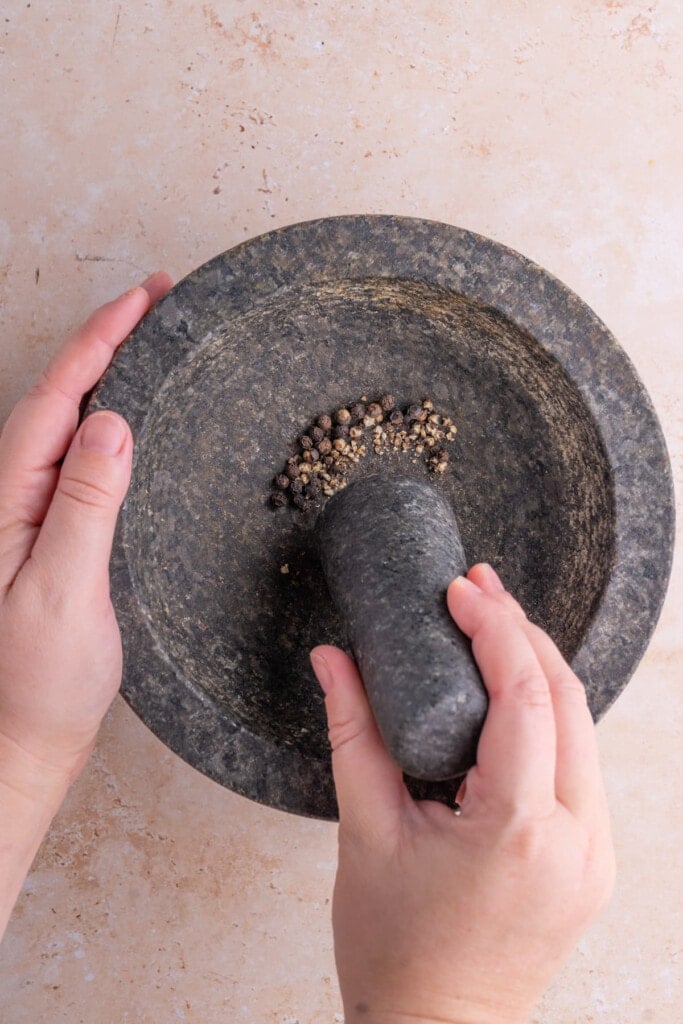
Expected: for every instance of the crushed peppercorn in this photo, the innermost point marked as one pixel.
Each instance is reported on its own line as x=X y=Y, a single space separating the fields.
x=334 y=443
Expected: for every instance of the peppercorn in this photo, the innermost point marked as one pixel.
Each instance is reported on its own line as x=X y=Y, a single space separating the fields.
x=341 y=431
x=301 y=502
x=292 y=470
x=306 y=442
x=315 y=454
x=387 y=403
x=316 y=434
x=357 y=411
x=413 y=412
x=281 y=481
x=296 y=486
x=342 y=416
x=328 y=461
x=324 y=422
x=396 y=418
x=375 y=410
x=339 y=444
x=325 y=446
x=308 y=457
x=355 y=433
x=277 y=499
x=312 y=490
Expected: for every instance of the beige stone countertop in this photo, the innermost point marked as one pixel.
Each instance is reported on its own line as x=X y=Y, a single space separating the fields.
x=158 y=133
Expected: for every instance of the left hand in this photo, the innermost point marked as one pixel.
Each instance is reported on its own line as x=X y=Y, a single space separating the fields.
x=60 y=648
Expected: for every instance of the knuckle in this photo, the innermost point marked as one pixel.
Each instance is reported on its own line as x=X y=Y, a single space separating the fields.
x=524 y=836
x=86 y=493
x=513 y=606
x=567 y=685
x=343 y=732
x=530 y=689
x=44 y=386
x=40 y=387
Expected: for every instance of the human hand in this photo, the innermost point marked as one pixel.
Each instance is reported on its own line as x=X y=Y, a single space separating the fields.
x=466 y=918
x=60 y=648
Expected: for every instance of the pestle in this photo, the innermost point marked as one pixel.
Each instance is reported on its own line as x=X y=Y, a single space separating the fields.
x=389 y=547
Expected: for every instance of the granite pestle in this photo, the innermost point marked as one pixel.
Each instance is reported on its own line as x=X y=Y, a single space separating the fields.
x=389 y=547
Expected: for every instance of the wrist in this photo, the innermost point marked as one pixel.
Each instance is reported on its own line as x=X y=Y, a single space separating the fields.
x=362 y=1012
x=418 y=1006
x=30 y=794
x=31 y=782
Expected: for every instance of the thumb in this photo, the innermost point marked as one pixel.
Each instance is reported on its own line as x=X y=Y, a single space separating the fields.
x=369 y=785
x=76 y=537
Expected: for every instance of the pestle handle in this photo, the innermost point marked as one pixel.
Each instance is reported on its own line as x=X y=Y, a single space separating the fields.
x=389 y=547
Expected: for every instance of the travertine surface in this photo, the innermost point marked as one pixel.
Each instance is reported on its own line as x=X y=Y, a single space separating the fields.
x=161 y=133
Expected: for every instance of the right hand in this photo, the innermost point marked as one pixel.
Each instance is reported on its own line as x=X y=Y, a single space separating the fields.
x=448 y=918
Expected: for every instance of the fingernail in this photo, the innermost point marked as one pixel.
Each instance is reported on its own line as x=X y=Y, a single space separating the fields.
x=322 y=671
x=149 y=279
x=141 y=287
x=104 y=433
x=465 y=585
x=492 y=575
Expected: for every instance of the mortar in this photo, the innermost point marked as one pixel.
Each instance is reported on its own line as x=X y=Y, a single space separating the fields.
x=559 y=476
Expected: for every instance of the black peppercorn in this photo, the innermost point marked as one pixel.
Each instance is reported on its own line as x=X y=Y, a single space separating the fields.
x=342 y=430
x=387 y=403
x=315 y=454
x=414 y=412
x=281 y=481
x=316 y=434
x=324 y=422
x=357 y=411
x=325 y=446
x=342 y=416
x=396 y=419
x=292 y=470
x=277 y=499
x=297 y=486
x=328 y=461
x=375 y=410
x=312 y=489
x=306 y=442
x=300 y=501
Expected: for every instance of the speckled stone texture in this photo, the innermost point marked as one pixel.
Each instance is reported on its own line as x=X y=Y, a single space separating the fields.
x=559 y=474
x=389 y=547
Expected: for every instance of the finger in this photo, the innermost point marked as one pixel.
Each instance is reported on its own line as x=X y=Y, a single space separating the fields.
x=578 y=779
x=80 y=362
x=41 y=426
x=73 y=548
x=486 y=578
x=369 y=785
x=516 y=752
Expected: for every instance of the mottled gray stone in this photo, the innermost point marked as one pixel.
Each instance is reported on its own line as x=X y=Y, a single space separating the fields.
x=559 y=475
x=389 y=547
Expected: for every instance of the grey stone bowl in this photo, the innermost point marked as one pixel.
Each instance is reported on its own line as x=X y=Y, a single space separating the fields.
x=559 y=474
